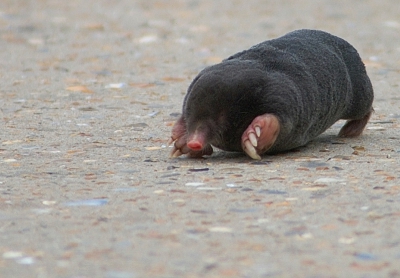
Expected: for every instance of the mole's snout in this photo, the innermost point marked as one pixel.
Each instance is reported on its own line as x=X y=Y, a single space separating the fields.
x=196 y=141
x=195 y=145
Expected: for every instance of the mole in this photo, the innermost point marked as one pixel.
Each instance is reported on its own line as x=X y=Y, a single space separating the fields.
x=276 y=96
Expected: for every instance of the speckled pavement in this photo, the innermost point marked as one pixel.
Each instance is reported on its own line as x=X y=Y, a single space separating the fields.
x=89 y=91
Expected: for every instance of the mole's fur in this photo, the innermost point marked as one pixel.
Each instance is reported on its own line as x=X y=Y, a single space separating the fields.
x=275 y=96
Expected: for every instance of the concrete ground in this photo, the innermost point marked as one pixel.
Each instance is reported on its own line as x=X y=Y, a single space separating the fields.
x=89 y=91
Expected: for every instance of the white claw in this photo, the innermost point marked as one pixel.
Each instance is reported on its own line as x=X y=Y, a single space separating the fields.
x=253 y=139
x=175 y=153
x=170 y=141
x=250 y=150
x=258 y=131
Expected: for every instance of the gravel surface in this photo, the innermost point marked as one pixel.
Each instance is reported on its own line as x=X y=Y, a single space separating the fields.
x=89 y=93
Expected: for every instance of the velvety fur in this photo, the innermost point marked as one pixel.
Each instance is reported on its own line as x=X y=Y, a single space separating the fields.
x=308 y=78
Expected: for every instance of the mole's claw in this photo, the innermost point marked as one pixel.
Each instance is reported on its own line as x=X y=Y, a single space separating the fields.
x=250 y=150
x=261 y=135
x=253 y=139
x=175 y=153
x=170 y=141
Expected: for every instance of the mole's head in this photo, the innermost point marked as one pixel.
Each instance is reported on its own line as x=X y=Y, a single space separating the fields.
x=221 y=102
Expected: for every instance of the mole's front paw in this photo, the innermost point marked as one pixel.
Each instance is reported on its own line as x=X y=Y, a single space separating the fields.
x=178 y=137
x=260 y=135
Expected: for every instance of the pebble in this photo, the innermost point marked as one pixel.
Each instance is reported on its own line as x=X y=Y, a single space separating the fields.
x=89 y=202
x=148 y=39
x=232 y=185
x=11 y=142
x=49 y=203
x=27 y=147
x=374 y=58
x=153 y=114
x=220 y=230
x=12 y=254
x=305 y=236
x=152 y=148
x=328 y=180
x=376 y=128
x=115 y=85
x=26 y=260
x=195 y=184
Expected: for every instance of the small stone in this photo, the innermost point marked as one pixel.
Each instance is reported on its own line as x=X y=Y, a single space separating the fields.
x=376 y=128
x=26 y=260
x=220 y=230
x=115 y=85
x=347 y=240
x=153 y=148
x=148 y=39
x=89 y=202
x=306 y=236
x=12 y=254
x=328 y=180
x=195 y=184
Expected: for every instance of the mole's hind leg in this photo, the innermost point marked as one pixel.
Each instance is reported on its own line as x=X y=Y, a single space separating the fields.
x=260 y=135
x=354 y=128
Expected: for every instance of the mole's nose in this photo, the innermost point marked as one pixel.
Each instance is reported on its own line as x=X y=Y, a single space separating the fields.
x=195 y=145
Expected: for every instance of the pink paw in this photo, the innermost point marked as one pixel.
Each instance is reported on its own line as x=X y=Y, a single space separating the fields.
x=260 y=135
